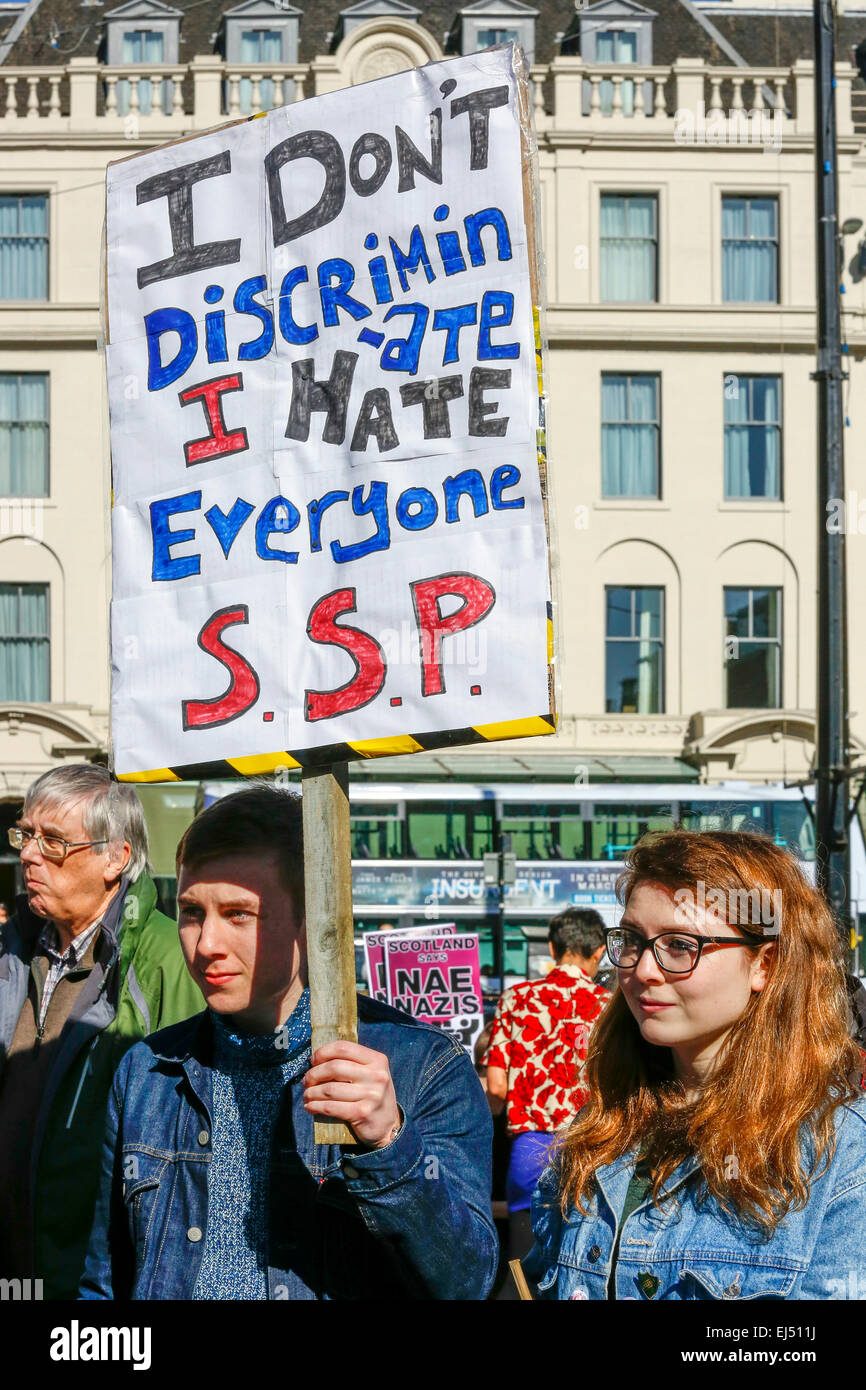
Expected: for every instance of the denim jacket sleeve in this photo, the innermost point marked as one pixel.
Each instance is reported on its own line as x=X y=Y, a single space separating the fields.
x=109 y=1251
x=837 y=1268
x=540 y=1264
x=428 y=1191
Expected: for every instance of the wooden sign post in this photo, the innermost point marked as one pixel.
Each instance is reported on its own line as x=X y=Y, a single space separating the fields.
x=330 y=934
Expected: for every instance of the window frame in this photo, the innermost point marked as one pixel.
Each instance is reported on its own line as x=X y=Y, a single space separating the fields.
x=45 y=194
x=46 y=423
x=634 y=496
x=19 y=636
x=777 y=641
x=661 y=640
x=625 y=194
x=779 y=426
x=749 y=196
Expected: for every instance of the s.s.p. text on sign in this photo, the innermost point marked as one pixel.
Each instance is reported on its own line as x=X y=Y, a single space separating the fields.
x=328 y=525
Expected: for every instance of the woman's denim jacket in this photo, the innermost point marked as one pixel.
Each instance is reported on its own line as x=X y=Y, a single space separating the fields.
x=408 y=1221
x=693 y=1250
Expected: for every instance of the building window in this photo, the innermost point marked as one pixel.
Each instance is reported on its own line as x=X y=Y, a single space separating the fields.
x=629 y=247
x=753 y=436
x=616 y=46
x=24 y=642
x=262 y=46
x=753 y=648
x=23 y=434
x=23 y=246
x=265 y=35
x=488 y=22
x=143 y=47
x=634 y=651
x=629 y=435
x=487 y=38
x=750 y=250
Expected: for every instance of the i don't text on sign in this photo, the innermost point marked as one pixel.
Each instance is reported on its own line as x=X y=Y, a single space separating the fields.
x=328 y=523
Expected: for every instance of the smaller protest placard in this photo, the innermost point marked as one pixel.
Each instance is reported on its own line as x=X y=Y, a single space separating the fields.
x=374 y=954
x=437 y=979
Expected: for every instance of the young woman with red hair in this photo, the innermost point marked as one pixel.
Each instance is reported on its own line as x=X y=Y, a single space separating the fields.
x=722 y=1153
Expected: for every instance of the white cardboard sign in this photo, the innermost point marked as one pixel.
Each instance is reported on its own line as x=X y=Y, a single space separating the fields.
x=328 y=524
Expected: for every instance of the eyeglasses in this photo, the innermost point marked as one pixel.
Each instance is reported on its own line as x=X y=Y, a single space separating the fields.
x=50 y=846
x=675 y=952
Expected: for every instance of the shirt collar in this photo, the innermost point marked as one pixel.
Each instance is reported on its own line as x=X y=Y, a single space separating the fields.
x=234 y=1047
x=49 y=940
x=574 y=971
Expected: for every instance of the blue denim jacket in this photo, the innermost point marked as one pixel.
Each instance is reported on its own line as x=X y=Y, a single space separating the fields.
x=688 y=1251
x=408 y=1221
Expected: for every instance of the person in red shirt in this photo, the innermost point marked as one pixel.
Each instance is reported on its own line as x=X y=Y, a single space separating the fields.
x=536 y=1055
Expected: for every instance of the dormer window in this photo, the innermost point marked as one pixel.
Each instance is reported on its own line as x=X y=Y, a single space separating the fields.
x=260 y=36
x=616 y=33
x=145 y=34
x=489 y=22
x=355 y=15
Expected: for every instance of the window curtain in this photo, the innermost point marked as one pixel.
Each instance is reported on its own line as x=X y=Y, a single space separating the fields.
x=628 y=254
x=749 y=264
x=628 y=447
x=616 y=47
x=752 y=452
x=24 y=247
x=260 y=46
x=23 y=436
x=24 y=657
x=141 y=48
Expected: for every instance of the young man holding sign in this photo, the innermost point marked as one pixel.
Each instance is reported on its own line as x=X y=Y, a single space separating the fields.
x=213 y=1186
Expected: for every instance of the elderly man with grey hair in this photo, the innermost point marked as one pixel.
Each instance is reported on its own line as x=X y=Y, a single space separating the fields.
x=88 y=966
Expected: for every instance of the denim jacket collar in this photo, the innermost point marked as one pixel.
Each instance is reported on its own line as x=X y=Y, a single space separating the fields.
x=613 y=1179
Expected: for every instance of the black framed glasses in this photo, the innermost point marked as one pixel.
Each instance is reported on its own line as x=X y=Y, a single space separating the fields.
x=675 y=952
x=50 y=846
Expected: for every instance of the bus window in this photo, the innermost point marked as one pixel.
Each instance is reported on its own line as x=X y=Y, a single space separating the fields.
x=793 y=828
x=377 y=832
x=449 y=830
x=544 y=832
x=616 y=829
x=724 y=815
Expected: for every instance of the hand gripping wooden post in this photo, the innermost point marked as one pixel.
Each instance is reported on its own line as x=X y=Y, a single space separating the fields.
x=330 y=935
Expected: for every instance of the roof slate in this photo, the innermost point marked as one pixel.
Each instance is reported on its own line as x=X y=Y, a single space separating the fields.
x=774 y=39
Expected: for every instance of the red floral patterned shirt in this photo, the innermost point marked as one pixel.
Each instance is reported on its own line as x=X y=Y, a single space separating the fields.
x=539 y=1039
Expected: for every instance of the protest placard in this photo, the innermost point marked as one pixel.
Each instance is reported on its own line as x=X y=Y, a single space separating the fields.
x=437 y=979
x=374 y=954
x=329 y=531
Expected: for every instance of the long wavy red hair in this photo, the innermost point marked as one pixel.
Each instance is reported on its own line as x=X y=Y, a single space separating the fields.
x=786 y=1064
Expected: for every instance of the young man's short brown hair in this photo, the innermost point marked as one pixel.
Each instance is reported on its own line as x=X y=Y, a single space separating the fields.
x=258 y=820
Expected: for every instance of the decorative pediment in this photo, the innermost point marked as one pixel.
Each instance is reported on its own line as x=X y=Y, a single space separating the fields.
x=143 y=9
x=380 y=9
x=266 y=11
x=501 y=9
x=617 y=9
x=354 y=16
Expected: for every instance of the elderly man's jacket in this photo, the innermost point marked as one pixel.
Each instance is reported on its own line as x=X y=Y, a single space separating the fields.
x=139 y=983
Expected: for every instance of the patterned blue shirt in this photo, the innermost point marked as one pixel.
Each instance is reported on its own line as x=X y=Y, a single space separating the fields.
x=250 y=1073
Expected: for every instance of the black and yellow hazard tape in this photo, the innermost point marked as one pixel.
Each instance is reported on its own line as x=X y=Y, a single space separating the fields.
x=261 y=764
